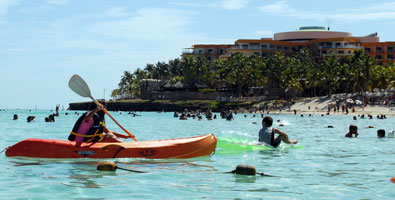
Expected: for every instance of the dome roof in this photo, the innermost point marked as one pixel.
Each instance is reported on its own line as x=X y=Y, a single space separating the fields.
x=310 y=33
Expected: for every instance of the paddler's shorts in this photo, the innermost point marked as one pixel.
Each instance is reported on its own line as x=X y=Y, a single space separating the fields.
x=277 y=141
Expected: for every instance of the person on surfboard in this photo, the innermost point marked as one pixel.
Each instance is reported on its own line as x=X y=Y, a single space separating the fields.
x=267 y=134
x=90 y=127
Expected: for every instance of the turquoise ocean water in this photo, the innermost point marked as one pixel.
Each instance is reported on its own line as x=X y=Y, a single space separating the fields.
x=328 y=167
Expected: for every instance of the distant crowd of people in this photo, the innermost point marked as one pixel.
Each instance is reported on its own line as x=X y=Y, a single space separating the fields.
x=198 y=114
x=50 y=118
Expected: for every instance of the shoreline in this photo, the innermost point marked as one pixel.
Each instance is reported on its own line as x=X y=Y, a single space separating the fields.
x=302 y=107
x=306 y=105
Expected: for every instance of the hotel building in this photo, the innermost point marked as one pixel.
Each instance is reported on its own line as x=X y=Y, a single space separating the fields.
x=319 y=41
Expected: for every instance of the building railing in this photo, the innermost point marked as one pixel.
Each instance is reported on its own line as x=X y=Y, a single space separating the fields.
x=341 y=47
x=187 y=51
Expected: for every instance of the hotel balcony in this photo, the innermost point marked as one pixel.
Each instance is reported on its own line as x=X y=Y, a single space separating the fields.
x=341 y=47
x=187 y=51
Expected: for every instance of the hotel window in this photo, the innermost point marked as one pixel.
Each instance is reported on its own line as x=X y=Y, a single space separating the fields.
x=245 y=46
x=279 y=48
x=341 y=52
x=221 y=51
x=271 y=46
x=257 y=53
x=210 y=51
x=200 y=51
x=379 y=49
x=254 y=46
x=345 y=44
x=209 y=58
x=390 y=56
x=349 y=52
x=379 y=57
x=367 y=50
x=390 y=49
x=338 y=44
x=264 y=46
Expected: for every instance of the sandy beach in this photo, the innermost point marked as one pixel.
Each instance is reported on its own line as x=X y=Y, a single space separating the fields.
x=319 y=105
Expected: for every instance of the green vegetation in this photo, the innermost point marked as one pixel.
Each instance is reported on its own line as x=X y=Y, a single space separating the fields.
x=300 y=74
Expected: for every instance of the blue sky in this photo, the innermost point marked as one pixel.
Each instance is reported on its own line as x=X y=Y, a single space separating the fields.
x=44 y=42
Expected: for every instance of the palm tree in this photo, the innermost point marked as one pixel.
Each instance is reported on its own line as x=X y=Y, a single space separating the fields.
x=361 y=65
x=149 y=70
x=275 y=64
x=238 y=72
x=116 y=93
x=175 y=67
x=162 y=70
x=126 y=81
x=293 y=84
x=330 y=74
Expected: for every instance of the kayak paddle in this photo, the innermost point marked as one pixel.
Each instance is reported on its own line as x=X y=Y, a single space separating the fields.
x=79 y=86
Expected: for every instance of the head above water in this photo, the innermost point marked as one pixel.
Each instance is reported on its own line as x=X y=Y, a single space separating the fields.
x=267 y=121
x=381 y=133
x=353 y=127
x=93 y=106
x=244 y=169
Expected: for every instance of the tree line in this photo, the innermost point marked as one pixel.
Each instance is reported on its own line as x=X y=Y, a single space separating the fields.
x=304 y=75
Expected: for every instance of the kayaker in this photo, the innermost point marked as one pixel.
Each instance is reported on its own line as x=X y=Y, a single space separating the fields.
x=90 y=127
x=353 y=131
x=267 y=134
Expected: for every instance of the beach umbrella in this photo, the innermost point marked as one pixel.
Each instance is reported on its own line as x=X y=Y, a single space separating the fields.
x=350 y=101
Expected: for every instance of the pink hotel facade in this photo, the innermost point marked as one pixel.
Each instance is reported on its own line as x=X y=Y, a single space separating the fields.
x=319 y=41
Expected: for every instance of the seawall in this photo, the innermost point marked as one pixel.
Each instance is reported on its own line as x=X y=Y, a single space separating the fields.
x=163 y=105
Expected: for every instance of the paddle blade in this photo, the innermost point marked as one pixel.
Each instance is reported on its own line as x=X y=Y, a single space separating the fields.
x=79 y=86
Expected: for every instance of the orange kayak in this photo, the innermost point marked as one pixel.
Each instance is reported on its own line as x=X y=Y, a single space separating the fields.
x=190 y=147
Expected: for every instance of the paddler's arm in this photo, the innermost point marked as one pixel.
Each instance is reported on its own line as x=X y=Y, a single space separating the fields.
x=284 y=137
x=116 y=134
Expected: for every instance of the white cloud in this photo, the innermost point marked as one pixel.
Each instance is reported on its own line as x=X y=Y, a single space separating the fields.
x=223 y=4
x=148 y=24
x=232 y=4
x=280 y=7
x=264 y=33
x=375 y=12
